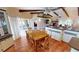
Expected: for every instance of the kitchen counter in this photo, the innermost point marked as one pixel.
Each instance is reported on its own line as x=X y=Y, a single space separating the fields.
x=65 y=29
x=72 y=31
x=57 y=33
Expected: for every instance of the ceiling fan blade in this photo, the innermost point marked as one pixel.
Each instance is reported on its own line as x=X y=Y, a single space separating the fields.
x=49 y=15
x=45 y=15
x=36 y=12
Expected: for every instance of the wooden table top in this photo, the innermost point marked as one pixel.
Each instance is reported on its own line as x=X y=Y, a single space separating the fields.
x=37 y=34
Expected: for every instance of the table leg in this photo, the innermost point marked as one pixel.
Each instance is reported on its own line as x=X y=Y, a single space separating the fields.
x=35 y=45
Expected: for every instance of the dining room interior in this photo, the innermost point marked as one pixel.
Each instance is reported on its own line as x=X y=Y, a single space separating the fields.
x=39 y=29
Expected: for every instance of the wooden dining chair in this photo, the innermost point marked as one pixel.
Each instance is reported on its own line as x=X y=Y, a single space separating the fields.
x=45 y=43
x=31 y=43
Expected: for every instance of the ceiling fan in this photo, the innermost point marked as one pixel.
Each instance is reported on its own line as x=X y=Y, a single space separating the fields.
x=44 y=13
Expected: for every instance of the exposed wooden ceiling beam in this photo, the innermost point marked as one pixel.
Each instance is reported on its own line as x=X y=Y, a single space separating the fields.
x=62 y=9
x=65 y=11
x=2 y=10
x=78 y=11
x=21 y=10
x=55 y=13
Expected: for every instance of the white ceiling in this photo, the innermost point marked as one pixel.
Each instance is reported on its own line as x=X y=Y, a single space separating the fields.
x=72 y=11
x=31 y=8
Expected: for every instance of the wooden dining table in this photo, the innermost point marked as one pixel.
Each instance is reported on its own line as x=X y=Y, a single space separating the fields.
x=37 y=35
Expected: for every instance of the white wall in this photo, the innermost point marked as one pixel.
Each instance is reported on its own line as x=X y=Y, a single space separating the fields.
x=73 y=12
x=14 y=27
x=14 y=15
x=39 y=21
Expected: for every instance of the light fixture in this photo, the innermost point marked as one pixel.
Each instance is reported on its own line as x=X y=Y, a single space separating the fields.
x=39 y=19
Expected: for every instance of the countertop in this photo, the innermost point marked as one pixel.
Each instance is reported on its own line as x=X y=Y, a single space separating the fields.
x=58 y=30
x=64 y=29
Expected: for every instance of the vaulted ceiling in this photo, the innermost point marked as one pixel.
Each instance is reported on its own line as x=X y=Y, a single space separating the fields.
x=64 y=12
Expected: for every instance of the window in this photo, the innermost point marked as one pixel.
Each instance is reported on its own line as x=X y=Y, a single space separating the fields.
x=67 y=22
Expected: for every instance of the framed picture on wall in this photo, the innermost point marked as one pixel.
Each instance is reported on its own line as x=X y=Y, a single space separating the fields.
x=3 y=23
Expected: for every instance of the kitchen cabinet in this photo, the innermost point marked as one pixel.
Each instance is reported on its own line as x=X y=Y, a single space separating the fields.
x=56 y=33
x=48 y=32
x=67 y=37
